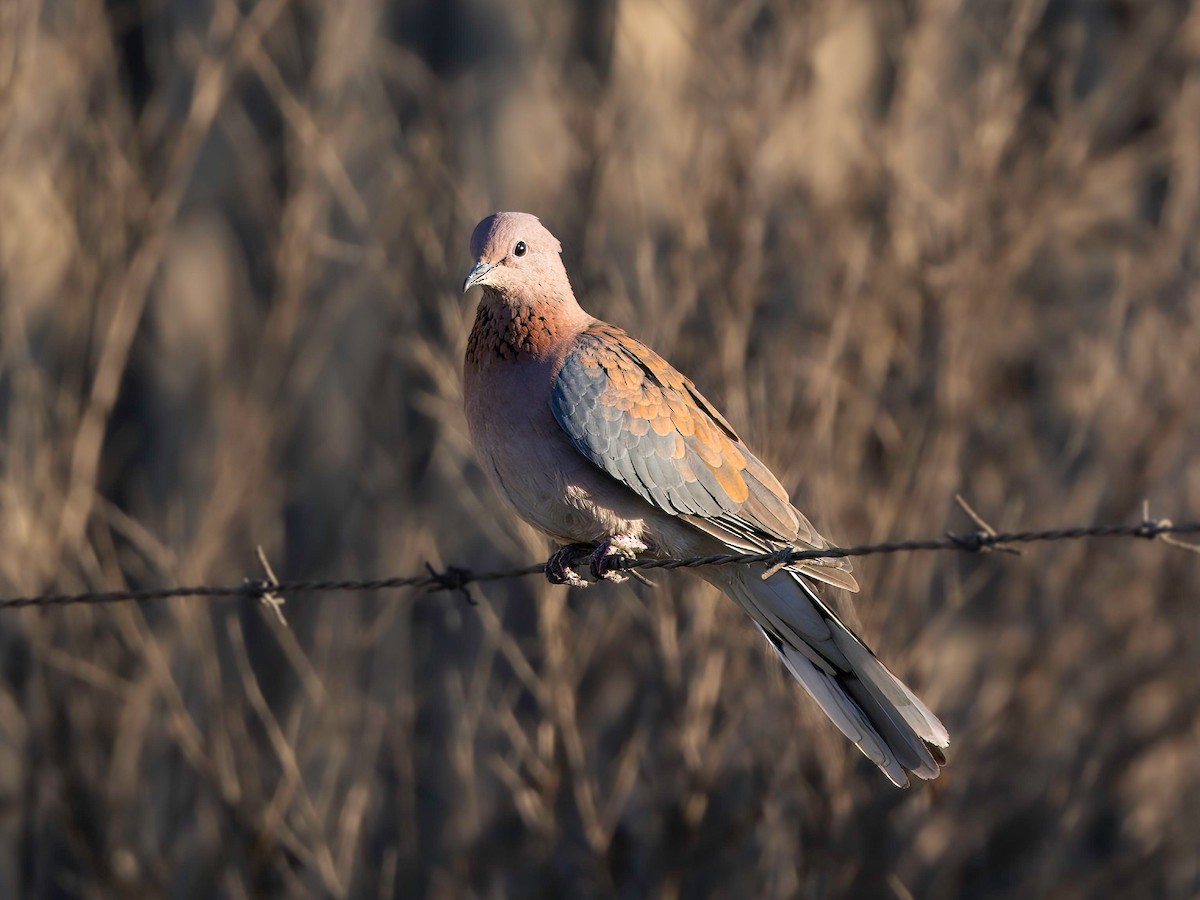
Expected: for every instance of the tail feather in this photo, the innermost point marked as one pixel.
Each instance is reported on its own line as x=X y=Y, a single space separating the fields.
x=912 y=753
x=840 y=706
x=869 y=704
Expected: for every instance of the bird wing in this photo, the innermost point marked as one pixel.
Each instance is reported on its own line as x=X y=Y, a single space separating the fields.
x=627 y=410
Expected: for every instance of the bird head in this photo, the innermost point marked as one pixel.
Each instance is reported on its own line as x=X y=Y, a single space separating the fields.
x=514 y=252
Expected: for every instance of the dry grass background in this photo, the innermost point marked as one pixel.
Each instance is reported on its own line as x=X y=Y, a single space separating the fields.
x=913 y=249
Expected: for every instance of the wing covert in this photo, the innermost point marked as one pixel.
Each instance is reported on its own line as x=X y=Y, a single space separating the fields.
x=628 y=411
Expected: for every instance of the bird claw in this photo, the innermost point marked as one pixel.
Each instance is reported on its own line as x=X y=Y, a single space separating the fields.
x=559 y=567
x=622 y=546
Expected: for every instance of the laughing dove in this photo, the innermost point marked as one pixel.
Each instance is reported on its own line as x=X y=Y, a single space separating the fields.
x=598 y=442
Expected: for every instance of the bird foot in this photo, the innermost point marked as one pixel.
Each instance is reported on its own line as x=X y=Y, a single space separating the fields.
x=559 y=567
x=621 y=545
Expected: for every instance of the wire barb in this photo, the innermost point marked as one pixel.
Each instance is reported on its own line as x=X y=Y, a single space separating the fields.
x=456 y=579
x=972 y=541
x=269 y=596
x=779 y=561
x=984 y=527
x=1162 y=531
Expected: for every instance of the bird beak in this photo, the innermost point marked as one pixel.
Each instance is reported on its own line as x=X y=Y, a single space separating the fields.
x=477 y=275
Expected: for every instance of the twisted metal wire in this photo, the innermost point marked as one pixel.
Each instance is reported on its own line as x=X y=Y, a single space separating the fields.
x=457 y=579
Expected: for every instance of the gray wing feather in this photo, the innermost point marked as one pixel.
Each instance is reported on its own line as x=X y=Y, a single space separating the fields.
x=643 y=461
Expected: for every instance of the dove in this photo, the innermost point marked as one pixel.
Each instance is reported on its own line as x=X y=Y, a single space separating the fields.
x=595 y=440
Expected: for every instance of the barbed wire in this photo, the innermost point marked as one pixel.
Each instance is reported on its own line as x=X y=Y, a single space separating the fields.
x=454 y=578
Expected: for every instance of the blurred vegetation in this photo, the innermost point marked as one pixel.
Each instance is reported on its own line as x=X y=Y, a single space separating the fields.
x=912 y=249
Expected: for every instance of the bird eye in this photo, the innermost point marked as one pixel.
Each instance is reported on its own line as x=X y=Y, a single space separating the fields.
x=519 y=250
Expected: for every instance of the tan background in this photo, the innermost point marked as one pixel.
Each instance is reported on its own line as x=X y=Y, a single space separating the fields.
x=911 y=249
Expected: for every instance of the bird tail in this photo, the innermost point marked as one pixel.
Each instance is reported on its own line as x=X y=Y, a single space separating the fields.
x=869 y=704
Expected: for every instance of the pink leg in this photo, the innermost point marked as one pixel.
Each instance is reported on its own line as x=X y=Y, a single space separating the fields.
x=619 y=545
x=559 y=567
